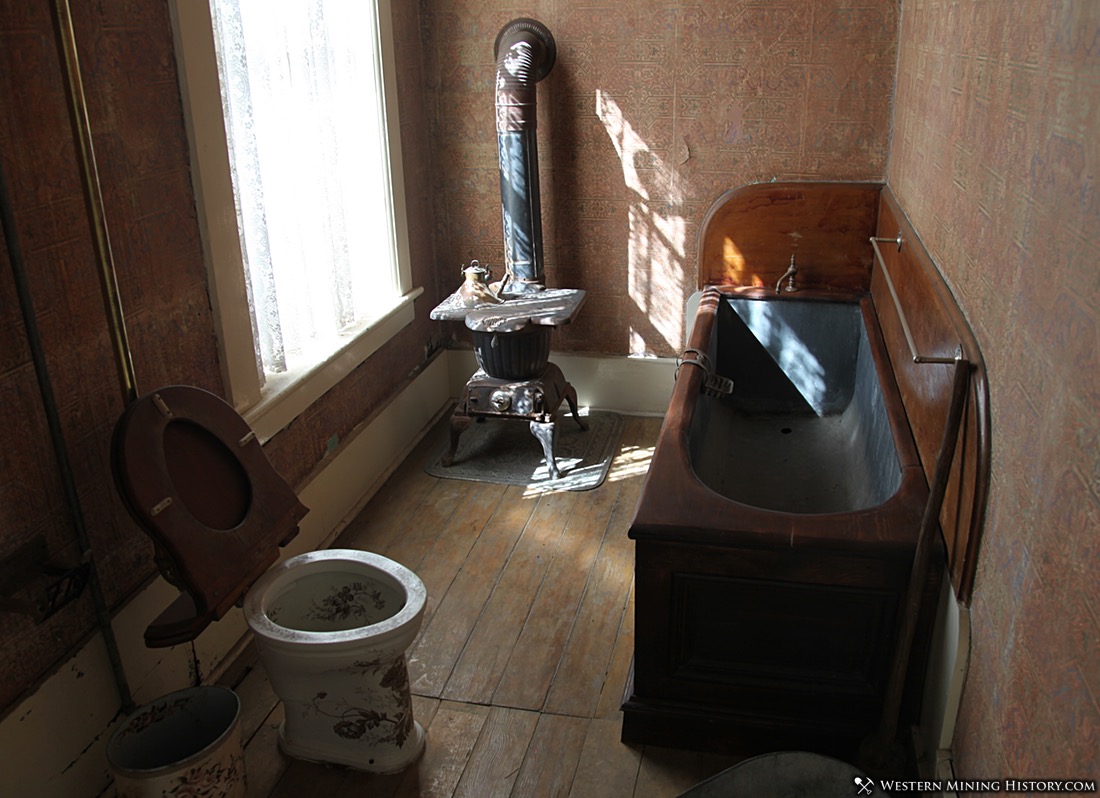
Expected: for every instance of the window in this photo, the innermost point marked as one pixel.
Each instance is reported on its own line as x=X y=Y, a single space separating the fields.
x=291 y=110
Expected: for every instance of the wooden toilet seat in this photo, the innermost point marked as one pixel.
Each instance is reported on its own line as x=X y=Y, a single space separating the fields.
x=194 y=476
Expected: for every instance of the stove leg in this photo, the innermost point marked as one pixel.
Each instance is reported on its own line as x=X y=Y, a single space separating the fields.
x=459 y=424
x=571 y=398
x=544 y=432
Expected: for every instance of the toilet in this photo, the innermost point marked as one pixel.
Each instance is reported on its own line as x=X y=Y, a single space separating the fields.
x=331 y=626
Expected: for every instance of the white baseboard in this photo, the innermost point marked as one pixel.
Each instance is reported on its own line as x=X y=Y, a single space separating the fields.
x=945 y=676
x=945 y=771
x=639 y=386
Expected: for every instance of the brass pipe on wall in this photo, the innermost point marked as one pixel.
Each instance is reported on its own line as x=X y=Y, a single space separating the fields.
x=902 y=318
x=93 y=197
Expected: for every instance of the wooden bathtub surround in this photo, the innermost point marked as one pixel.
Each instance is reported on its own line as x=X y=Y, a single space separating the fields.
x=828 y=226
x=938 y=327
x=759 y=630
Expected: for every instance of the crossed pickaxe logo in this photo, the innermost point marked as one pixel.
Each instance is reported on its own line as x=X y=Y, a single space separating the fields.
x=864 y=785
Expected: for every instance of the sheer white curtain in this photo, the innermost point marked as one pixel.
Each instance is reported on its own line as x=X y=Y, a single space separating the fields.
x=301 y=92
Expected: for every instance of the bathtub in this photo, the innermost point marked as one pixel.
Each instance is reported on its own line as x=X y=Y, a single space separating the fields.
x=807 y=410
x=775 y=533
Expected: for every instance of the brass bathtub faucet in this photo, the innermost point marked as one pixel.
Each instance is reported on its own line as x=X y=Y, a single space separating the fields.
x=788 y=275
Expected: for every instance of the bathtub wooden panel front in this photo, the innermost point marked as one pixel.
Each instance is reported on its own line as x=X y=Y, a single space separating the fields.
x=727 y=660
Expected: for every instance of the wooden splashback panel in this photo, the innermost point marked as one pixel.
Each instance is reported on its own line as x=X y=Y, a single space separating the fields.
x=938 y=329
x=751 y=232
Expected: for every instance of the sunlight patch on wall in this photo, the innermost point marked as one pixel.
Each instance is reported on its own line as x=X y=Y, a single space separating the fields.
x=735 y=264
x=657 y=233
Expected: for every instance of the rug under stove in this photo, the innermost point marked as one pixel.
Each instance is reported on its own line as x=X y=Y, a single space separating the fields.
x=505 y=452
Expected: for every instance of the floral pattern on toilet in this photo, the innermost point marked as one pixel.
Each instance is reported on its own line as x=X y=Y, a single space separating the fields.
x=385 y=718
x=332 y=628
x=348 y=605
x=350 y=600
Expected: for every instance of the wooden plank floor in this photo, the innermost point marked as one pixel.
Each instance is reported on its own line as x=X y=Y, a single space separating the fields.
x=520 y=665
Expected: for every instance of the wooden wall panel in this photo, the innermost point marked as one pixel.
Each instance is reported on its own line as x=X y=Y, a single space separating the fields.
x=752 y=231
x=938 y=329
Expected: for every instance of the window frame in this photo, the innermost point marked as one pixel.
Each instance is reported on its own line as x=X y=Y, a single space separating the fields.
x=270 y=404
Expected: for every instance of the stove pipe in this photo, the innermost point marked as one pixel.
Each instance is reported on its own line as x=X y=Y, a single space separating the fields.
x=525 y=53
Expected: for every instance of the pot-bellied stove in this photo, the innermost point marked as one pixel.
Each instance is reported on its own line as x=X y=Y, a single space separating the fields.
x=512 y=320
x=515 y=378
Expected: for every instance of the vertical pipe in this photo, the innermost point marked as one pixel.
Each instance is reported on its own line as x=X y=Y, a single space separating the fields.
x=57 y=438
x=93 y=196
x=525 y=53
x=521 y=209
x=93 y=199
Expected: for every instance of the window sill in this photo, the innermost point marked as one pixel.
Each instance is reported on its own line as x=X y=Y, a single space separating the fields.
x=285 y=396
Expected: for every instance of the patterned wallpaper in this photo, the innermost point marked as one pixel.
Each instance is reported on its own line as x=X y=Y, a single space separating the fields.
x=994 y=157
x=654 y=108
